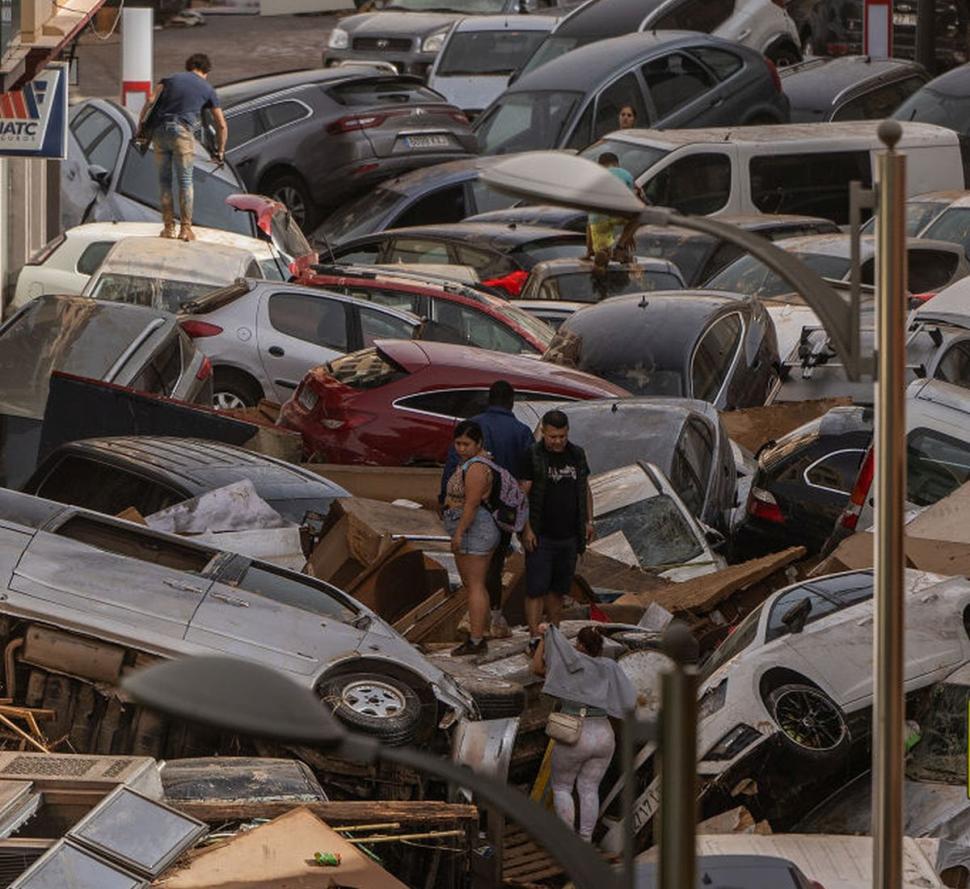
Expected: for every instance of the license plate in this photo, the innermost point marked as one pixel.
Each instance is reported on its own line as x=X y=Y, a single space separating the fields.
x=307 y=399
x=428 y=141
x=906 y=19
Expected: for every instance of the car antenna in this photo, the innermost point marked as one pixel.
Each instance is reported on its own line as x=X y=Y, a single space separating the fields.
x=614 y=408
x=643 y=301
x=326 y=243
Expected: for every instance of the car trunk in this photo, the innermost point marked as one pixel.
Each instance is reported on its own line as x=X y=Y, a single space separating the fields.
x=414 y=130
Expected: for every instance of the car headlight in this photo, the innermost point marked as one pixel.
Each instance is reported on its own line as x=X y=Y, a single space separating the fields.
x=339 y=39
x=434 y=42
x=712 y=700
x=736 y=740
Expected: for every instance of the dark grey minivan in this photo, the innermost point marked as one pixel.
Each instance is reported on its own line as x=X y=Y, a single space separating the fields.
x=671 y=78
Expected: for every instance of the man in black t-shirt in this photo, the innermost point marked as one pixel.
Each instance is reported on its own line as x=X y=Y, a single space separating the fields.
x=555 y=476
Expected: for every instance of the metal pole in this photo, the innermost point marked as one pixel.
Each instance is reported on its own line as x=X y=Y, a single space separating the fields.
x=926 y=34
x=678 y=761
x=889 y=561
x=628 y=793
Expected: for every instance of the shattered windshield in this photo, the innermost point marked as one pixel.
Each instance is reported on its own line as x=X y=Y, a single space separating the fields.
x=154 y=292
x=526 y=121
x=656 y=530
x=752 y=277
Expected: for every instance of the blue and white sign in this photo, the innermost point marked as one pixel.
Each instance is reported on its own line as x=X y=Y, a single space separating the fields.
x=33 y=120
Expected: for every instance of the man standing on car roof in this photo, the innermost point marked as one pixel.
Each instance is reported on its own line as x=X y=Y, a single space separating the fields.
x=507 y=439
x=555 y=475
x=172 y=113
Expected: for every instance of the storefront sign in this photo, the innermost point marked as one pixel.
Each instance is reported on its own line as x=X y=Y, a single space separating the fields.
x=33 y=120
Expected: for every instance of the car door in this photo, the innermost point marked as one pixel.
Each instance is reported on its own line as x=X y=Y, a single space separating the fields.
x=624 y=90
x=682 y=91
x=267 y=616
x=817 y=498
x=110 y=577
x=297 y=331
x=95 y=141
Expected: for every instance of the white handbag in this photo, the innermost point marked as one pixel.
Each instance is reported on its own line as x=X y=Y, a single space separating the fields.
x=566 y=728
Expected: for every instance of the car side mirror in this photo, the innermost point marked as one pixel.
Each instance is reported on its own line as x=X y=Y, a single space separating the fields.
x=100 y=175
x=796 y=616
x=714 y=538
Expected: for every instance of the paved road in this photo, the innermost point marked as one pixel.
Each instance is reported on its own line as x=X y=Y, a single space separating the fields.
x=240 y=46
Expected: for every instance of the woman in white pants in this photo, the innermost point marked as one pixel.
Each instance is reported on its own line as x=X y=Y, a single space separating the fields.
x=592 y=688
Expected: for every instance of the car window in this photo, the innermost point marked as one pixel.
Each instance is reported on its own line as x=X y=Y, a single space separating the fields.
x=92 y=256
x=540 y=251
x=243 y=127
x=951 y=225
x=471 y=53
x=443 y=205
x=99 y=137
x=396 y=299
x=720 y=61
x=161 y=374
x=383 y=91
x=487 y=199
x=836 y=471
x=581 y=135
x=713 y=357
x=303 y=592
x=879 y=102
x=104 y=152
x=937 y=464
x=930 y=270
x=281 y=113
x=526 y=121
x=751 y=276
x=487 y=265
x=366 y=369
x=673 y=81
x=825 y=598
x=954 y=366
x=362 y=254
x=79 y=481
x=376 y=325
x=815 y=184
x=696 y=15
x=692 y=465
x=623 y=91
x=743 y=635
x=313 y=319
x=458 y=323
x=723 y=256
x=141 y=290
x=418 y=250
x=456 y=403
x=697 y=184
x=656 y=530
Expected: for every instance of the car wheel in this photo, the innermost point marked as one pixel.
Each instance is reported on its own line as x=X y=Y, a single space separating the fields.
x=495 y=698
x=784 y=54
x=809 y=721
x=637 y=641
x=291 y=190
x=376 y=704
x=232 y=391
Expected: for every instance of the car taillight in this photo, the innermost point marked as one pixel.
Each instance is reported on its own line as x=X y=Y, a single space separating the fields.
x=773 y=71
x=459 y=116
x=205 y=371
x=197 y=329
x=353 y=122
x=762 y=505
x=837 y=49
x=918 y=299
x=851 y=513
x=45 y=252
x=349 y=419
x=511 y=283
x=815 y=884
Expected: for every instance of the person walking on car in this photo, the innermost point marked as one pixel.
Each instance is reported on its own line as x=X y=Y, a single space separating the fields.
x=589 y=688
x=555 y=476
x=175 y=108
x=507 y=439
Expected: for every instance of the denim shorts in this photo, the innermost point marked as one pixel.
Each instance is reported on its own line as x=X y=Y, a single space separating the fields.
x=550 y=567
x=480 y=538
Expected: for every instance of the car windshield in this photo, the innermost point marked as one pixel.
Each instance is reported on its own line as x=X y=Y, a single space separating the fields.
x=552 y=47
x=75 y=336
x=526 y=121
x=688 y=251
x=487 y=52
x=467 y=7
x=538 y=329
x=634 y=158
x=656 y=530
x=143 y=291
x=585 y=287
x=919 y=214
x=358 y=217
x=750 y=276
x=951 y=225
x=929 y=106
x=741 y=637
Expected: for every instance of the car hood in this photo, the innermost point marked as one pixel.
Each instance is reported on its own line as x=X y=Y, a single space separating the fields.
x=394 y=24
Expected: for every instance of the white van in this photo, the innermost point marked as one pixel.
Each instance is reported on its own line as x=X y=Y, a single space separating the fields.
x=789 y=168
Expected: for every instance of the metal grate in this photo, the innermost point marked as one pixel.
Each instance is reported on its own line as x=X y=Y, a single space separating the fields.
x=386 y=44
x=117 y=768
x=54 y=766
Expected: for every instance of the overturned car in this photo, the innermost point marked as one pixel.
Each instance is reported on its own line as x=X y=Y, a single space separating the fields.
x=85 y=598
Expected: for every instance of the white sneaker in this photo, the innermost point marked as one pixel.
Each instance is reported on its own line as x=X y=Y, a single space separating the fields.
x=500 y=627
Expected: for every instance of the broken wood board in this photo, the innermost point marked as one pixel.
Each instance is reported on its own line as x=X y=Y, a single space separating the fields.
x=936 y=556
x=132 y=515
x=401 y=579
x=274 y=441
x=947 y=519
x=751 y=427
x=416 y=483
x=406 y=812
x=702 y=594
x=737 y=820
x=280 y=854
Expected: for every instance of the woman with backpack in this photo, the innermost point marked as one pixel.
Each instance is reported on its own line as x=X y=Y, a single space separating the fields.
x=474 y=534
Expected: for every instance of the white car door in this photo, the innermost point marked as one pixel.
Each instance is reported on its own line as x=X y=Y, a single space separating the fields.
x=297 y=331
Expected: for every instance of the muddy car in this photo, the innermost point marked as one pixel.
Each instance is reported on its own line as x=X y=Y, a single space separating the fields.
x=87 y=597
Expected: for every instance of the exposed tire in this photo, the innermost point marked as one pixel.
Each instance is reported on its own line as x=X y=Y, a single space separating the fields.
x=376 y=704
x=810 y=722
x=291 y=190
x=784 y=54
x=232 y=390
x=496 y=698
x=637 y=641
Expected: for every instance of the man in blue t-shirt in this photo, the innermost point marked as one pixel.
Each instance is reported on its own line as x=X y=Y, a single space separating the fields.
x=176 y=106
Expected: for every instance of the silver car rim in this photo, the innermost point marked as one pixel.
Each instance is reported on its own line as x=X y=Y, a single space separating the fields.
x=373 y=699
x=225 y=401
x=809 y=719
x=294 y=202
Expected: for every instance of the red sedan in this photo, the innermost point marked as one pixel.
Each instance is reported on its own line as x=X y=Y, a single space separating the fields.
x=397 y=403
x=455 y=313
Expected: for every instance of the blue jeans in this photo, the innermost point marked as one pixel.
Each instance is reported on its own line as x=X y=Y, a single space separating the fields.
x=174 y=146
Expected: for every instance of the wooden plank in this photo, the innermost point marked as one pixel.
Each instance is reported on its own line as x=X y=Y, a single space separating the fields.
x=407 y=620
x=337 y=812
